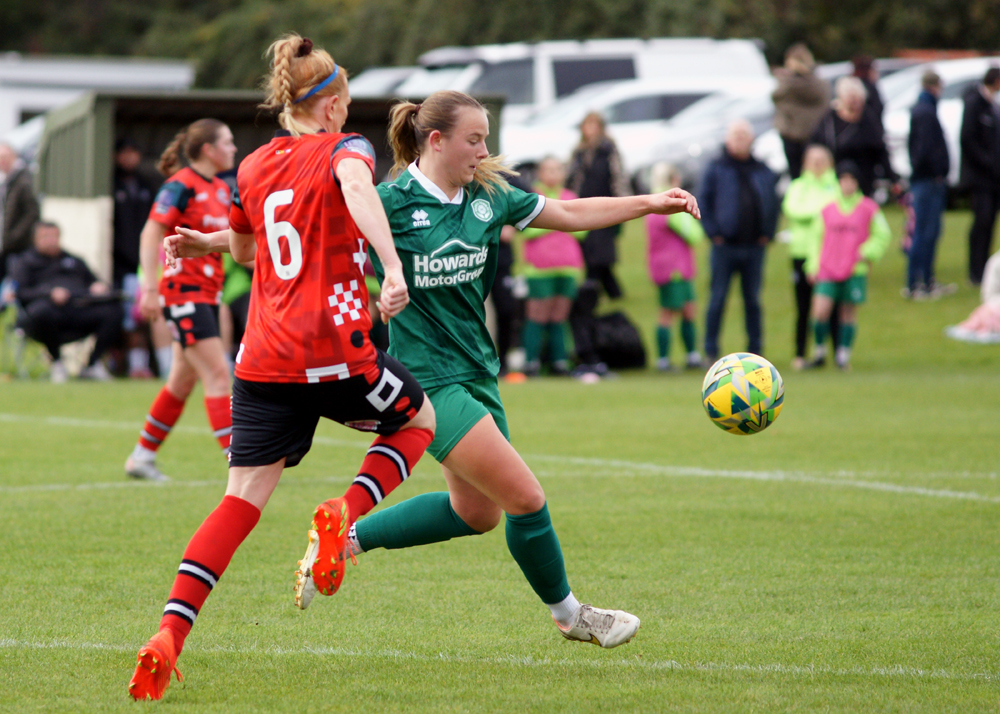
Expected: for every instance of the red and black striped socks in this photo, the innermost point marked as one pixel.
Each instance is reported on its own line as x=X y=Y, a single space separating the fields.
x=205 y=560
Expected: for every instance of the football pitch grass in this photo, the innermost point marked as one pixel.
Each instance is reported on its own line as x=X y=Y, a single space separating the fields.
x=845 y=560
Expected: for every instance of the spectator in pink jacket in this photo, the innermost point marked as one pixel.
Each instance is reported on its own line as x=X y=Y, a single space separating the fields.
x=672 y=268
x=553 y=268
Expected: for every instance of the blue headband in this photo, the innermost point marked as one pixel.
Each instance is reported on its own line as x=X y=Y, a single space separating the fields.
x=336 y=71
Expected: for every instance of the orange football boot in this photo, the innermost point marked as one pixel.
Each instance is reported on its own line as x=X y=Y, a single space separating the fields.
x=157 y=660
x=322 y=567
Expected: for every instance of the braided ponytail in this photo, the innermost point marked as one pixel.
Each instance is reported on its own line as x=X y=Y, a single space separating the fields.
x=296 y=68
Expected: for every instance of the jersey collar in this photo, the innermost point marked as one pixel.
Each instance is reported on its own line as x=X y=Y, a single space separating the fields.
x=433 y=189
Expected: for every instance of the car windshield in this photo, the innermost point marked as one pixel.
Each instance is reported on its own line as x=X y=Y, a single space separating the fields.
x=573 y=108
x=708 y=109
x=428 y=81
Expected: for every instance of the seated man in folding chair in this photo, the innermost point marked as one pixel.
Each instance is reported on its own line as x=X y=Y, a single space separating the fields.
x=62 y=301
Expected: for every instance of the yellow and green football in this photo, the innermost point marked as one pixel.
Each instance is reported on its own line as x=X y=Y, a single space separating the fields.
x=742 y=393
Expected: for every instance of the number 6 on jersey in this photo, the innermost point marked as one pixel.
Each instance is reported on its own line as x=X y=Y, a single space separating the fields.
x=275 y=231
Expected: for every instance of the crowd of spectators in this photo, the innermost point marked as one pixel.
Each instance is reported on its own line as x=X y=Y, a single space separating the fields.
x=547 y=283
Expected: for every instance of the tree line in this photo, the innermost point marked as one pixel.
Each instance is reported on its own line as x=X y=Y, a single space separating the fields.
x=227 y=38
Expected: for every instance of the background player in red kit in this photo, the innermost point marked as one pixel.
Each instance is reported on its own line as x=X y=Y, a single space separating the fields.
x=305 y=209
x=188 y=293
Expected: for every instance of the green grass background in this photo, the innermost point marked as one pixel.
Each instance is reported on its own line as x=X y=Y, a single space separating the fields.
x=845 y=560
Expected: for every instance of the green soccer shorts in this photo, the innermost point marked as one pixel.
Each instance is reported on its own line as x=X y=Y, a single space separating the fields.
x=459 y=407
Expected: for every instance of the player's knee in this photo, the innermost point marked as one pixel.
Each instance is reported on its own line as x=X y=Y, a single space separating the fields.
x=483 y=521
x=526 y=500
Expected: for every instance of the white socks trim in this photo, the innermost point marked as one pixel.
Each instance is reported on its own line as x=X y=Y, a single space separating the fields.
x=565 y=611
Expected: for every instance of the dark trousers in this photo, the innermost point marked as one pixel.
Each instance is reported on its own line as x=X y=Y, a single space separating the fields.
x=928 y=204
x=748 y=262
x=605 y=277
x=794 y=152
x=55 y=325
x=803 y=305
x=508 y=313
x=985 y=204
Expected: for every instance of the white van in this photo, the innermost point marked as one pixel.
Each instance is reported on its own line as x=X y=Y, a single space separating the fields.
x=533 y=76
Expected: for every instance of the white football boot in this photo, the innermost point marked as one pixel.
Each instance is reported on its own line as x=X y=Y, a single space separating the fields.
x=607 y=628
x=144 y=470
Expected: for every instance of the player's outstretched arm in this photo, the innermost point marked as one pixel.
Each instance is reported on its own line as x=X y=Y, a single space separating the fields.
x=187 y=243
x=587 y=214
x=366 y=209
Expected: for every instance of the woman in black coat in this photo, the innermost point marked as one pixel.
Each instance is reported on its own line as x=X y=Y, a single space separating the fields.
x=596 y=170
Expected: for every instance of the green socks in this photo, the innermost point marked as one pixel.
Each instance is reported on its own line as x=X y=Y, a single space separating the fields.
x=533 y=543
x=845 y=338
x=822 y=331
x=557 y=342
x=429 y=518
x=532 y=339
x=688 y=335
x=662 y=341
x=423 y=519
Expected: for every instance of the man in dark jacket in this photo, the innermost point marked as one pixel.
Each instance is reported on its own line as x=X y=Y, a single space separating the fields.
x=739 y=211
x=980 y=144
x=18 y=206
x=63 y=301
x=929 y=164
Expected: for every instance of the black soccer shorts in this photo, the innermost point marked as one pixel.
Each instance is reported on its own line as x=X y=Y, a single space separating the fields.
x=274 y=420
x=192 y=321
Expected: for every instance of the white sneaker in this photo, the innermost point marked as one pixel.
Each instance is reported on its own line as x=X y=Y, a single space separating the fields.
x=58 y=373
x=97 y=372
x=144 y=470
x=607 y=628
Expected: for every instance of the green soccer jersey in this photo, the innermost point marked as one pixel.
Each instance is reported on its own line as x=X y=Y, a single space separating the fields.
x=449 y=254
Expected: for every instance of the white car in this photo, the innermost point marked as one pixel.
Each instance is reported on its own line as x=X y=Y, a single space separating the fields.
x=637 y=113
x=378 y=82
x=900 y=92
x=694 y=137
x=532 y=76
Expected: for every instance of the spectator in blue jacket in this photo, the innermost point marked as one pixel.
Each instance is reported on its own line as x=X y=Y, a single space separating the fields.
x=739 y=211
x=929 y=164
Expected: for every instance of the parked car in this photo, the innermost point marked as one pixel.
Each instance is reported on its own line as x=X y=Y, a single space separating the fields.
x=379 y=81
x=900 y=92
x=695 y=135
x=532 y=76
x=637 y=113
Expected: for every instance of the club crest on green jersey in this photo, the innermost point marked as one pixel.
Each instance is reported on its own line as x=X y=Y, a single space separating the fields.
x=482 y=210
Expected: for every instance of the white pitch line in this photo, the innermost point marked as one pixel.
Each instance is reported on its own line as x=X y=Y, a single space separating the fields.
x=894 y=671
x=611 y=468
x=137 y=427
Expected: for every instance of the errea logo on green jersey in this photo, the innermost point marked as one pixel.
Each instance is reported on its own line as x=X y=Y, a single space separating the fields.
x=420 y=219
x=453 y=263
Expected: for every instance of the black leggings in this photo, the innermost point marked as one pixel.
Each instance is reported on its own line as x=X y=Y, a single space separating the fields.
x=803 y=305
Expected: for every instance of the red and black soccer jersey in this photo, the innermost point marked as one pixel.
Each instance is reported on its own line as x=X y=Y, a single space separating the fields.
x=189 y=199
x=309 y=318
